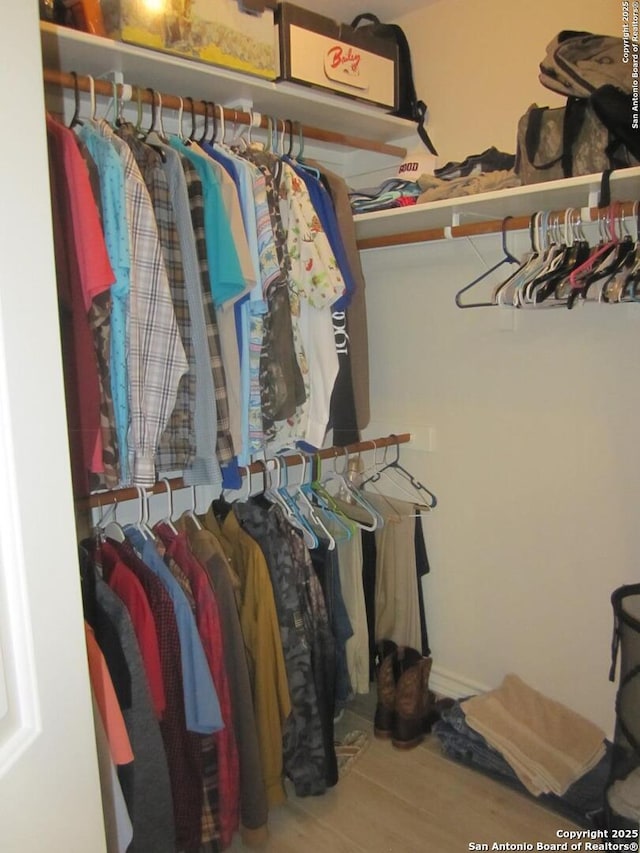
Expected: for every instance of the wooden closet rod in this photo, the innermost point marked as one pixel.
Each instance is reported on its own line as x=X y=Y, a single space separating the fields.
x=53 y=77
x=293 y=458
x=472 y=229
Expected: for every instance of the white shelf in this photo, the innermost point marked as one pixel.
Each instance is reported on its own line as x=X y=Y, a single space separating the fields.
x=578 y=193
x=67 y=50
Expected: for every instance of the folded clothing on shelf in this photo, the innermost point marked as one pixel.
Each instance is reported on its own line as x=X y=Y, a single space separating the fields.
x=435 y=189
x=394 y=192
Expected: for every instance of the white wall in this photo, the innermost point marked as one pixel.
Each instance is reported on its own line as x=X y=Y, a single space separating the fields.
x=534 y=460
x=476 y=64
x=535 y=465
x=531 y=414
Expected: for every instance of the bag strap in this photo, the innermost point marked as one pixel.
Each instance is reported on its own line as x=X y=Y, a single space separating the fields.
x=574 y=118
x=419 y=107
x=365 y=16
x=420 y=116
x=532 y=139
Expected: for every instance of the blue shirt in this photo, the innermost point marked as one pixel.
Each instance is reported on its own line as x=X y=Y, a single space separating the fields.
x=201 y=705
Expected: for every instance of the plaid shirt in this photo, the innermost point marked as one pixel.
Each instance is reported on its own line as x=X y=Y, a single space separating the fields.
x=224 y=443
x=155 y=353
x=177 y=443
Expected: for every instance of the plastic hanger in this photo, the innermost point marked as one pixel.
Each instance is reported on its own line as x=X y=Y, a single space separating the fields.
x=168 y=519
x=507 y=258
x=109 y=529
x=325 y=503
x=348 y=493
x=191 y=512
x=291 y=508
x=419 y=489
x=309 y=509
x=143 y=514
x=155 y=136
x=75 y=118
x=505 y=292
x=205 y=129
x=92 y=99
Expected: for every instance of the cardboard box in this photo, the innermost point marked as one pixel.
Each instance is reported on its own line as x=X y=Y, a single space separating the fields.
x=221 y=33
x=317 y=51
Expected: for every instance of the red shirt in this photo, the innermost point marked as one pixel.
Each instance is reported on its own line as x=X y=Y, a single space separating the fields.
x=83 y=271
x=129 y=590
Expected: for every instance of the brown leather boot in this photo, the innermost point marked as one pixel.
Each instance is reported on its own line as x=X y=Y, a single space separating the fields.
x=413 y=698
x=384 y=719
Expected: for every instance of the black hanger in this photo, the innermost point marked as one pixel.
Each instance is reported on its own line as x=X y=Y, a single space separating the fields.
x=507 y=259
x=396 y=466
x=152 y=137
x=214 y=120
x=290 y=124
x=75 y=119
x=192 y=135
x=206 y=123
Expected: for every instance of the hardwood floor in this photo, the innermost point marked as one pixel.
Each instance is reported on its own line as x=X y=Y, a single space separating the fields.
x=394 y=801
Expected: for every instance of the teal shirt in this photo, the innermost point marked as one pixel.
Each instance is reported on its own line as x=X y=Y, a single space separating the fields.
x=225 y=273
x=116 y=236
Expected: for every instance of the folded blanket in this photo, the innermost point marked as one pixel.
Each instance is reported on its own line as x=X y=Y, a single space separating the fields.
x=548 y=745
x=582 y=803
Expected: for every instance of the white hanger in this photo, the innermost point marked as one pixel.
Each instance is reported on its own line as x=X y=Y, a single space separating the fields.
x=168 y=519
x=191 y=512
x=110 y=530
x=143 y=513
x=350 y=491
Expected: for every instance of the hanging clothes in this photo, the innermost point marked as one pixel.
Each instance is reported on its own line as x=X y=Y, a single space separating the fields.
x=183 y=749
x=83 y=272
x=253 y=803
x=305 y=757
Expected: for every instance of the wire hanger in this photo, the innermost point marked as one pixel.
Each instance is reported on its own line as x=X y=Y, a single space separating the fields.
x=508 y=258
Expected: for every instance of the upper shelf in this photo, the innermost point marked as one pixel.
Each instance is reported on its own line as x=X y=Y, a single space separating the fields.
x=66 y=49
x=407 y=224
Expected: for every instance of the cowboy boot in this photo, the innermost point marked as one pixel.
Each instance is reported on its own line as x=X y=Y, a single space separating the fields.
x=413 y=698
x=385 y=709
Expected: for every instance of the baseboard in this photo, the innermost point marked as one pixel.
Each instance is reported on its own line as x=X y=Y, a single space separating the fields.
x=445 y=683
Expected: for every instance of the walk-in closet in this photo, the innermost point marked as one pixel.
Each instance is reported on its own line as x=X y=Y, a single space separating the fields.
x=467 y=423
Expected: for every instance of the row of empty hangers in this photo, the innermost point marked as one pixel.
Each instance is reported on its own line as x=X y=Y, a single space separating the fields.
x=278 y=129
x=563 y=268
x=329 y=502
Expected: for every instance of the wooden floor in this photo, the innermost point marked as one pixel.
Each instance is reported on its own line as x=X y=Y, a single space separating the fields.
x=415 y=801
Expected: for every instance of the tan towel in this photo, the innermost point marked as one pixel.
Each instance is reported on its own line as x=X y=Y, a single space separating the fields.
x=548 y=745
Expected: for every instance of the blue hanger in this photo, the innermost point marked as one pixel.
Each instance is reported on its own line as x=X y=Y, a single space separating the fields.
x=507 y=259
